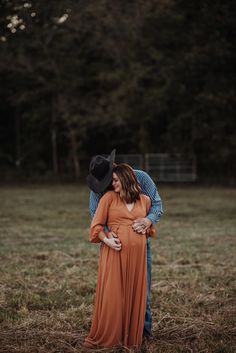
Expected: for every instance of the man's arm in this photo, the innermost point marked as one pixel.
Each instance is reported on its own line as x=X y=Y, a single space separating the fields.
x=149 y=188
x=93 y=202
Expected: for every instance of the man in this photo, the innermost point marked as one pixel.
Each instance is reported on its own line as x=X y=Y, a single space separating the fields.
x=98 y=180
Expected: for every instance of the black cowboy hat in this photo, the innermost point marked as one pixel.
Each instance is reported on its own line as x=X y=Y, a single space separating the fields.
x=100 y=172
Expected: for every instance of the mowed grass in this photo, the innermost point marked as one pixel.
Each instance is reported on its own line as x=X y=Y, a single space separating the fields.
x=48 y=270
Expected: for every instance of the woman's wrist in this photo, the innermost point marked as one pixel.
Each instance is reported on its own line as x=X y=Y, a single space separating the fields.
x=109 y=235
x=105 y=239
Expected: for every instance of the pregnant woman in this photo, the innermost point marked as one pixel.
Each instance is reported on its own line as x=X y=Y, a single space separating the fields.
x=121 y=293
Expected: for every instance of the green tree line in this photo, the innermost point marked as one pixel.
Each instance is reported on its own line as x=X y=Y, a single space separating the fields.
x=82 y=77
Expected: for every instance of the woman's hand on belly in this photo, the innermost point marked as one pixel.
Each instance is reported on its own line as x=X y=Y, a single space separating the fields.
x=113 y=243
x=111 y=235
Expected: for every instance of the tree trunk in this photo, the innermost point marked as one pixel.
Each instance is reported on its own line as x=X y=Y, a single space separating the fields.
x=64 y=105
x=18 y=139
x=74 y=150
x=54 y=140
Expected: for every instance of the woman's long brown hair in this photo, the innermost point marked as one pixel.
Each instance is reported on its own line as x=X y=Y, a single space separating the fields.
x=131 y=189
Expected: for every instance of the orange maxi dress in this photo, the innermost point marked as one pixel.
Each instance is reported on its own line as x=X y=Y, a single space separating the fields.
x=120 y=300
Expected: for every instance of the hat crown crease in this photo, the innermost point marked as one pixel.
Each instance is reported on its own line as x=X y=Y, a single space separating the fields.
x=100 y=167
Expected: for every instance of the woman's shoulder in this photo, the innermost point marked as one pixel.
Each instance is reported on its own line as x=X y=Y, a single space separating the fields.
x=146 y=199
x=109 y=195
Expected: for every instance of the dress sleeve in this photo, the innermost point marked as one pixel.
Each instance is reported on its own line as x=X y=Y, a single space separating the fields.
x=151 y=232
x=100 y=217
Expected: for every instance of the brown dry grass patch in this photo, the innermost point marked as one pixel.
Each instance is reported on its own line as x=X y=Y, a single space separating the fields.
x=48 y=271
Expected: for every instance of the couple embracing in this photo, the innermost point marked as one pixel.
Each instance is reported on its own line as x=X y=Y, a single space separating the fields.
x=124 y=205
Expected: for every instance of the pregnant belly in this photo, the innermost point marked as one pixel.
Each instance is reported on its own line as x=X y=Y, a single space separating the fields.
x=128 y=237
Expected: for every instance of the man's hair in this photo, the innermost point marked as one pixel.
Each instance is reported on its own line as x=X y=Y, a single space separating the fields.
x=131 y=189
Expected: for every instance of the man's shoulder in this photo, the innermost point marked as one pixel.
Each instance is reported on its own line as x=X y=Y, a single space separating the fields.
x=141 y=174
x=146 y=182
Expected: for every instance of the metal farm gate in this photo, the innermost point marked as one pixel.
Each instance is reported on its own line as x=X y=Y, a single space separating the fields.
x=162 y=166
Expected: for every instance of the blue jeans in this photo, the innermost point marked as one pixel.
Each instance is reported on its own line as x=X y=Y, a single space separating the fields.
x=148 y=317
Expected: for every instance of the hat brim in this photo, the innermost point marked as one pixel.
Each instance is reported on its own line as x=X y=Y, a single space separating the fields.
x=98 y=186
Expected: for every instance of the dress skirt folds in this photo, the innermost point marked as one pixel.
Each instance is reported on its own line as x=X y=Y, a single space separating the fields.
x=120 y=300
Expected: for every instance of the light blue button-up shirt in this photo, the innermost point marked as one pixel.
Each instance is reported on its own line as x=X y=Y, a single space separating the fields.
x=148 y=188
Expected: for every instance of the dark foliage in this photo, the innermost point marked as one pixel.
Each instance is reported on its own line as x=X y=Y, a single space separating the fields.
x=82 y=77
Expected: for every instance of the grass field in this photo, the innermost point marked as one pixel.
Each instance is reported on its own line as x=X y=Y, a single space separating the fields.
x=48 y=271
